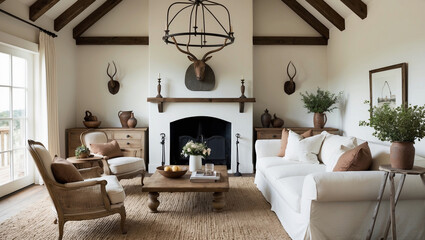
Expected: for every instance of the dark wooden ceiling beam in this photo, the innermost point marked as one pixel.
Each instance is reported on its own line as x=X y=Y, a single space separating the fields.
x=329 y=13
x=308 y=17
x=112 y=40
x=94 y=17
x=290 y=41
x=1 y=1
x=357 y=6
x=40 y=7
x=69 y=14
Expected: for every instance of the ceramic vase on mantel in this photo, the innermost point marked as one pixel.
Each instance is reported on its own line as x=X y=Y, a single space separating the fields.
x=319 y=120
x=195 y=162
x=402 y=155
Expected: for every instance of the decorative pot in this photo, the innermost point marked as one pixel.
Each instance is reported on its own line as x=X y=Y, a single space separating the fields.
x=195 y=162
x=319 y=120
x=132 y=122
x=277 y=122
x=124 y=116
x=266 y=119
x=83 y=155
x=402 y=155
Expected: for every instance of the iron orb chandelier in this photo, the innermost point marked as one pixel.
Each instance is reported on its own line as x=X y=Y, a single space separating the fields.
x=197 y=11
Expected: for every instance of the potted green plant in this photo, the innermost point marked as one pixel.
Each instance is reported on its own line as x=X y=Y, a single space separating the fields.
x=401 y=126
x=319 y=103
x=82 y=152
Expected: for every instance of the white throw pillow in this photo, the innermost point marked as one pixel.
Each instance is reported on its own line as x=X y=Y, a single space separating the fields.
x=291 y=152
x=309 y=148
x=332 y=144
x=303 y=150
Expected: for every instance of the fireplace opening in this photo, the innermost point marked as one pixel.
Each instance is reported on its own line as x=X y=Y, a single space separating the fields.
x=216 y=133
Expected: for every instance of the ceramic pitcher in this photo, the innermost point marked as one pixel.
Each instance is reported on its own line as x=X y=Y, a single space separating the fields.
x=124 y=116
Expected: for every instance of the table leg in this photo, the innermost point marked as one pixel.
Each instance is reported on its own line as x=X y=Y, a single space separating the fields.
x=153 y=202
x=218 y=201
x=399 y=188
x=375 y=214
x=392 y=207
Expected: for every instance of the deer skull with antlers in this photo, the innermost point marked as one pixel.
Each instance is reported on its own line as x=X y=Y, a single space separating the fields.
x=113 y=85
x=199 y=65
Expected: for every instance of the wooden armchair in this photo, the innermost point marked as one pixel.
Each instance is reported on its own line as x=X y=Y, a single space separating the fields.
x=128 y=166
x=76 y=201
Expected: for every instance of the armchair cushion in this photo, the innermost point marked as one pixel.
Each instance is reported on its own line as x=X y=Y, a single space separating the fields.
x=126 y=164
x=64 y=171
x=114 y=189
x=110 y=150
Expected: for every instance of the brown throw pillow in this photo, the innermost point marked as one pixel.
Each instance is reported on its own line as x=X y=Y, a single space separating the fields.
x=284 y=140
x=356 y=159
x=110 y=149
x=64 y=171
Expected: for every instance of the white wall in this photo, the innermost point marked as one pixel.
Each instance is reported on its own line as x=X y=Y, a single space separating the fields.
x=129 y=18
x=393 y=32
x=65 y=50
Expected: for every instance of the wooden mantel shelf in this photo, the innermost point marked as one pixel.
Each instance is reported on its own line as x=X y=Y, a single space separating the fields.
x=240 y=100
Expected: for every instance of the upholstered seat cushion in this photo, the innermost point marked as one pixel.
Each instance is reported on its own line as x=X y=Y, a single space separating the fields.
x=126 y=164
x=114 y=189
x=301 y=169
x=266 y=162
x=290 y=189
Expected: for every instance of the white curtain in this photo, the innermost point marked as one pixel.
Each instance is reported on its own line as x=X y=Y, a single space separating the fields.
x=48 y=88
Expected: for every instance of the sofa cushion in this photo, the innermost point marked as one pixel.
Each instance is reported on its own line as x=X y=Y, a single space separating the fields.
x=290 y=170
x=114 y=189
x=126 y=164
x=64 y=171
x=290 y=189
x=284 y=140
x=356 y=159
x=303 y=149
x=331 y=144
x=266 y=162
x=110 y=149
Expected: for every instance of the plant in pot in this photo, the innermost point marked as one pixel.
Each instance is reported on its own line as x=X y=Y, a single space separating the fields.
x=401 y=126
x=195 y=151
x=82 y=152
x=319 y=103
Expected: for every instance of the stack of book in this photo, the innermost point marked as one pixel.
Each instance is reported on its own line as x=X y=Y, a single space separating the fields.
x=201 y=177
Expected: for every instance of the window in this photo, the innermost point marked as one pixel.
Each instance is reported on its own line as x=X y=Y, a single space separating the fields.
x=16 y=74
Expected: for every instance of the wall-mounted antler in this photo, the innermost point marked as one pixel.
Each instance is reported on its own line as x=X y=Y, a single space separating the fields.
x=199 y=65
x=289 y=86
x=113 y=85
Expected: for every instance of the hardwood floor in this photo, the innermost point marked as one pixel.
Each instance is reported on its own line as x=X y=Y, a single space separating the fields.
x=13 y=203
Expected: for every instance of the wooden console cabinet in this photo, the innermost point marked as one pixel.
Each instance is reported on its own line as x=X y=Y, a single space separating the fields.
x=134 y=139
x=276 y=133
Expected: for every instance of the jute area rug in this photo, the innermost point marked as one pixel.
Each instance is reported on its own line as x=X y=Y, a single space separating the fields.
x=247 y=215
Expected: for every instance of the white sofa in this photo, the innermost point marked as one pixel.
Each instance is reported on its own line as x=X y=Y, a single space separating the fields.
x=312 y=203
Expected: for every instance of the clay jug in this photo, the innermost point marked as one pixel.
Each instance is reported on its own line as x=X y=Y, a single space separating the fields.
x=402 y=155
x=277 y=122
x=319 y=120
x=124 y=116
x=132 y=122
x=266 y=119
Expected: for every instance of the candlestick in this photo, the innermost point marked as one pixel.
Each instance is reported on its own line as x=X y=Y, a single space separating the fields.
x=243 y=88
x=159 y=87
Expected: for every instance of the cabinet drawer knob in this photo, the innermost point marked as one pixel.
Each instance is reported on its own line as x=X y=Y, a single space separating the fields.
x=274 y=136
x=128 y=143
x=128 y=136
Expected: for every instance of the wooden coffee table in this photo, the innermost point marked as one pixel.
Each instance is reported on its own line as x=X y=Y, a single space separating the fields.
x=158 y=183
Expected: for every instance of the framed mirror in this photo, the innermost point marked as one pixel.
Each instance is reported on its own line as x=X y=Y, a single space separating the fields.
x=388 y=85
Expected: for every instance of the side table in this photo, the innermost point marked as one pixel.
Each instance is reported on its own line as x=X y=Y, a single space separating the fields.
x=391 y=172
x=92 y=160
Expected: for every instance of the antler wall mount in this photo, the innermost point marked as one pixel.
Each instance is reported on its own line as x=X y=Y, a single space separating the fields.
x=289 y=86
x=199 y=76
x=113 y=85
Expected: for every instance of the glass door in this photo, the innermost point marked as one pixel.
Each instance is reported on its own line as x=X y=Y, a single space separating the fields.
x=16 y=78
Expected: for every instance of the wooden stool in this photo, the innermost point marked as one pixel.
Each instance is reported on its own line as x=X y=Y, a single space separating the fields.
x=393 y=195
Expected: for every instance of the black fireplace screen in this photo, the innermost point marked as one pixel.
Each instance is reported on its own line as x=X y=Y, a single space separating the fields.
x=213 y=131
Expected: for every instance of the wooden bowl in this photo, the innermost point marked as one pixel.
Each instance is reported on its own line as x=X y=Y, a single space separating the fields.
x=92 y=124
x=170 y=174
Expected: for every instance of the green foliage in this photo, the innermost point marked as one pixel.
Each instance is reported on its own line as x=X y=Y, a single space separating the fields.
x=400 y=124
x=320 y=102
x=81 y=149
